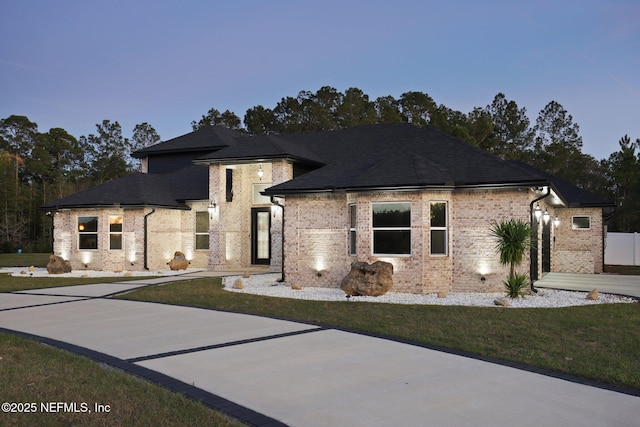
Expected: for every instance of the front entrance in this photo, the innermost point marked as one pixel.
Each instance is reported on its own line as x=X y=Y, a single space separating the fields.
x=546 y=247
x=261 y=236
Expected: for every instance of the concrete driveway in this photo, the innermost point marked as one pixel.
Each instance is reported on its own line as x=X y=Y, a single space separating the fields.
x=267 y=371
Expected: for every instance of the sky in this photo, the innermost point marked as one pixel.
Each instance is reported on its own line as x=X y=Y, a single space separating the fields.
x=73 y=64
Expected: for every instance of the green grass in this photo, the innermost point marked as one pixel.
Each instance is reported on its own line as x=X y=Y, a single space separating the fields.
x=32 y=372
x=24 y=260
x=23 y=283
x=598 y=342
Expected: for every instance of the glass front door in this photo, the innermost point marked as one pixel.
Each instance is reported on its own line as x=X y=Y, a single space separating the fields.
x=260 y=236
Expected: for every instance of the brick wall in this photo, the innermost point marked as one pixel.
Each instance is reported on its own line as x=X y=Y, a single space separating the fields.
x=230 y=238
x=317 y=239
x=169 y=230
x=578 y=250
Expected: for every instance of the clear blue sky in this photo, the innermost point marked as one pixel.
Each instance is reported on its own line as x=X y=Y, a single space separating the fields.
x=72 y=64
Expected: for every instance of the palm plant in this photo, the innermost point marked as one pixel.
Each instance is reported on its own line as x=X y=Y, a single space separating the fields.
x=513 y=238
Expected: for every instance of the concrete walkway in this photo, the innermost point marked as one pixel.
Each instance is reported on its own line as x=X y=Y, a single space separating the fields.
x=267 y=371
x=608 y=283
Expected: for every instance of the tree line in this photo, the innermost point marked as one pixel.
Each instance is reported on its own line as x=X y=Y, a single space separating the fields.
x=36 y=168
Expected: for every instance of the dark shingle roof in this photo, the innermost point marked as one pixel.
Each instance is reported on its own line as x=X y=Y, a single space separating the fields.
x=142 y=189
x=572 y=195
x=209 y=138
x=397 y=156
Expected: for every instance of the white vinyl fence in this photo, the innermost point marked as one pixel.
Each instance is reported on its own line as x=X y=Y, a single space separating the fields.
x=622 y=249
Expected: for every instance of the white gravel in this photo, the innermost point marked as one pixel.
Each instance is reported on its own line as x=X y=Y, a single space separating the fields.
x=267 y=284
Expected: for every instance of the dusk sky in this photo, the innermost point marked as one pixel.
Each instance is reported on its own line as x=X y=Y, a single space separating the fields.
x=72 y=64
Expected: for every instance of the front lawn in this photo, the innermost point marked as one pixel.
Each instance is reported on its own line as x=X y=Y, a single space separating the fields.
x=598 y=342
x=34 y=374
x=25 y=282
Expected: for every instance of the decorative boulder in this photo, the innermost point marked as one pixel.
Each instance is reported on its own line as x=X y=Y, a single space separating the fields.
x=368 y=279
x=593 y=295
x=179 y=261
x=57 y=265
x=238 y=284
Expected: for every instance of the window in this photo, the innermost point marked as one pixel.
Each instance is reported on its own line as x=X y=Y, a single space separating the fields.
x=202 y=230
x=229 y=186
x=438 y=228
x=115 y=232
x=87 y=232
x=392 y=228
x=352 y=229
x=581 y=223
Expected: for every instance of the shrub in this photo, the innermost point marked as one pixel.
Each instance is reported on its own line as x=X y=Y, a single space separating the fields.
x=515 y=284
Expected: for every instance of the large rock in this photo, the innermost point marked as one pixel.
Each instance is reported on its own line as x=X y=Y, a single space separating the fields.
x=179 y=262
x=368 y=279
x=57 y=265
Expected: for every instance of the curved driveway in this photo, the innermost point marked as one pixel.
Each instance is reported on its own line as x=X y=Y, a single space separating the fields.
x=272 y=372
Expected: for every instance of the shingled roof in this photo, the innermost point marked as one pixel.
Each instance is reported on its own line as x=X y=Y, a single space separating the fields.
x=142 y=189
x=206 y=139
x=364 y=158
x=394 y=156
x=572 y=196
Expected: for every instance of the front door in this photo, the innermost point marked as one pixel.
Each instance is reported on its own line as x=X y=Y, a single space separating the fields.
x=546 y=247
x=261 y=236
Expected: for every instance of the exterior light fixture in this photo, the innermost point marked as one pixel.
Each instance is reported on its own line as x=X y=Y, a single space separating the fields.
x=537 y=212
x=556 y=221
x=211 y=208
x=546 y=216
x=260 y=172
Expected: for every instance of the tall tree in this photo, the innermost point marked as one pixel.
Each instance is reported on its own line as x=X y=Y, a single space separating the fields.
x=356 y=109
x=55 y=162
x=417 y=108
x=259 y=120
x=106 y=152
x=512 y=133
x=288 y=115
x=623 y=170
x=17 y=134
x=144 y=135
x=388 y=110
x=213 y=117
x=558 y=144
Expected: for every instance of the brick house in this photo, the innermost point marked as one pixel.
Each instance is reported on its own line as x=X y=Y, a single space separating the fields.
x=309 y=204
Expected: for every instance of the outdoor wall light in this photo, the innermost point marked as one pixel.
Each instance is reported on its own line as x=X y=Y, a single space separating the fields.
x=211 y=208
x=319 y=273
x=537 y=212
x=556 y=221
x=260 y=173
x=482 y=279
x=546 y=216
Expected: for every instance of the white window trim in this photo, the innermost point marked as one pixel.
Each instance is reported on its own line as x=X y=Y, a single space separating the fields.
x=121 y=233
x=80 y=233
x=353 y=251
x=201 y=233
x=445 y=229
x=573 y=227
x=374 y=229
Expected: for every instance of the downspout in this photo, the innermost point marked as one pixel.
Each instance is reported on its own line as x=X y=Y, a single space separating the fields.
x=533 y=270
x=274 y=202
x=146 y=230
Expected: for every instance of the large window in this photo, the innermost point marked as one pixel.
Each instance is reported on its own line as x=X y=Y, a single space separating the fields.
x=202 y=230
x=115 y=232
x=87 y=232
x=392 y=228
x=438 y=228
x=352 y=229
